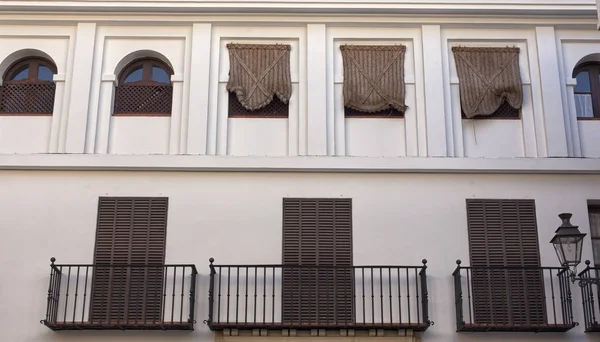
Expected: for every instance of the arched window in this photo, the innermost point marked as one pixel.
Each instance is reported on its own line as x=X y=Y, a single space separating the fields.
x=28 y=88
x=144 y=89
x=587 y=90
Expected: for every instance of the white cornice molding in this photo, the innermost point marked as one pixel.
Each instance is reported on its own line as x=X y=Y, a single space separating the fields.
x=190 y=163
x=498 y=7
x=598 y=7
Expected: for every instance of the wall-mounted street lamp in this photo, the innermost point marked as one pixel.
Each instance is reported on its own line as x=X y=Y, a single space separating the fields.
x=567 y=242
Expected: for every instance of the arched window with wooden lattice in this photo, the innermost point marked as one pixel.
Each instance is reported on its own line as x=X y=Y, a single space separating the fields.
x=144 y=89
x=28 y=88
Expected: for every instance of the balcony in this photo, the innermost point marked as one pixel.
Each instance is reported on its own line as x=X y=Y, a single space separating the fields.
x=121 y=297
x=279 y=297
x=591 y=303
x=521 y=299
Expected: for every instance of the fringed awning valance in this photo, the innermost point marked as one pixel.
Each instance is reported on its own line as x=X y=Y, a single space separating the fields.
x=373 y=77
x=258 y=72
x=488 y=76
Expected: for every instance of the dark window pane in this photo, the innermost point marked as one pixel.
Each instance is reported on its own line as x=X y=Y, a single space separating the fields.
x=159 y=75
x=595 y=222
x=583 y=82
x=20 y=74
x=135 y=75
x=44 y=73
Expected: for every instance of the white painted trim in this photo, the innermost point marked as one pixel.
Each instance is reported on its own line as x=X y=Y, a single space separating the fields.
x=59 y=78
x=77 y=123
x=435 y=113
x=57 y=113
x=175 y=122
x=104 y=117
x=318 y=117
x=560 y=20
x=197 y=119
x=177 y=78
x=519 y=7
x=110 y=78
x=299 y=164
x=554 y=120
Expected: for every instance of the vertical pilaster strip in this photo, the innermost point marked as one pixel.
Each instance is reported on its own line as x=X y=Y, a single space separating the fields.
x=199 y=78
x=105 y=109
x=435 y=112
x=81 y=78
x=317 y=90
x=554 y=120
x=175 y=129
x=57 y=113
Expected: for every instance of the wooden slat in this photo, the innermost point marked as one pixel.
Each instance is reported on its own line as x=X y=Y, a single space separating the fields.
x=504 y=233
x=317 y=232
x=130 y=231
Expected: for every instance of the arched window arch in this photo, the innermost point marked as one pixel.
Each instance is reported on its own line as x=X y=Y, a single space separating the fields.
x=28 y=87
x=587 y=90
x=144 y=88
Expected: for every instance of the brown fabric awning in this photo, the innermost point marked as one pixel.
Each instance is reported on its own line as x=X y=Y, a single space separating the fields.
x=488 y=76
x=373 y=77
x=258 y=72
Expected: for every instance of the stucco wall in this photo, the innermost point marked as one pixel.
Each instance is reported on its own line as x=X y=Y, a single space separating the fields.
x=236 y=218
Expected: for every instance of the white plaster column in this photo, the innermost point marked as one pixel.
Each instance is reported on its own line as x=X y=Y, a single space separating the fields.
x=175 y=130
x=81 y=79
x=571 y=116
x=57 y=113
x=435 y=114
x=105 y=110
x=317 y=89
x=197 y=126
x=554 y=118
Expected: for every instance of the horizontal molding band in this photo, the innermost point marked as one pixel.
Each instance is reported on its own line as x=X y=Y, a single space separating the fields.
x=206 y=163
x=517 y=7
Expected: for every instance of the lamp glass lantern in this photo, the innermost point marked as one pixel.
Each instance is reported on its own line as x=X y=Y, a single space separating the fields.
x=567 y=242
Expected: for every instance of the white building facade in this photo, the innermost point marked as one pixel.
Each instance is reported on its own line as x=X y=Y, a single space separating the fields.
x=135 y=145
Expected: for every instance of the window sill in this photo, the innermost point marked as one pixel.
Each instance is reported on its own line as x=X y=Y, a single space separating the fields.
x=142 y=114
x=25 y=114
x=258 y=116
x=374 y=117
x=478 y=118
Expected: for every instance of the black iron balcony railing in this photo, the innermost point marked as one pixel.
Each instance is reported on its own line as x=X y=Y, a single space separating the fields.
x=248 y=297
x=121 y=297
x=590 y=298
x=535 y=299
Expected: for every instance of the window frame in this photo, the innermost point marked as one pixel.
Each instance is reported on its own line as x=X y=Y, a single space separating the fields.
x=33 y=62
x=593 y=70
x=147 y=64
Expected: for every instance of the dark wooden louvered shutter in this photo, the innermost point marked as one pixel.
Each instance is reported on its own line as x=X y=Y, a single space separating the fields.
x=504 y=233
x=317 y=232
x=130 y=231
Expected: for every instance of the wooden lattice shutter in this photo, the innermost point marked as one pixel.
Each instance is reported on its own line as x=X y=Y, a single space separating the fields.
x=504 y=233
x=317 y=232
x=131 y=231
